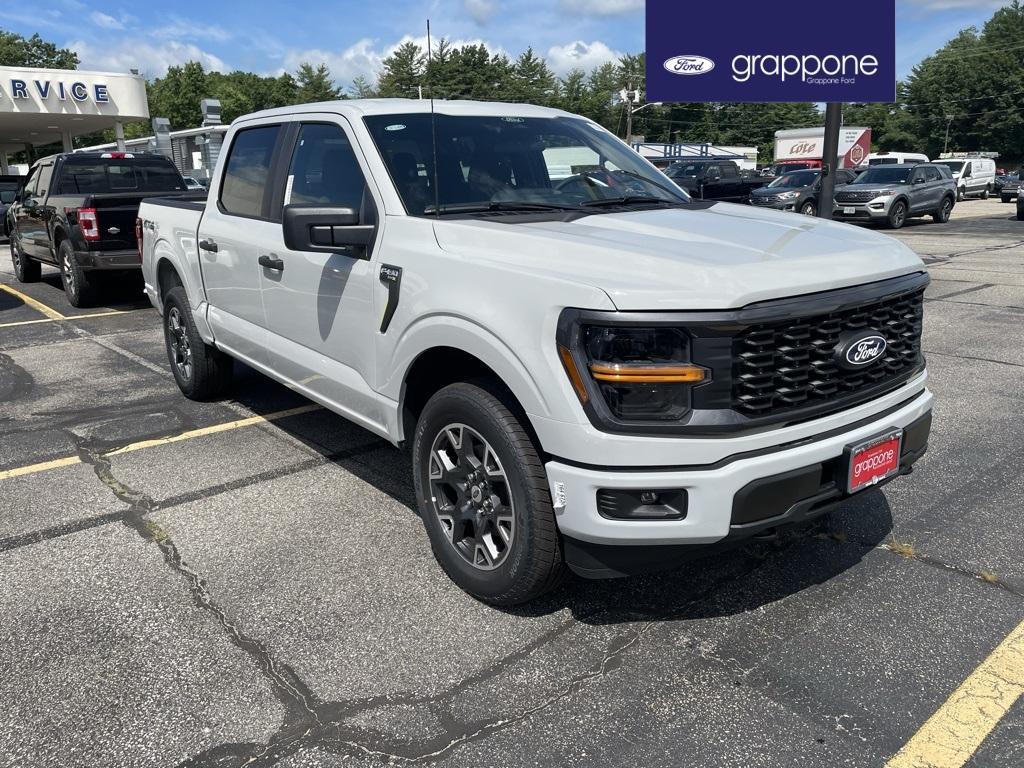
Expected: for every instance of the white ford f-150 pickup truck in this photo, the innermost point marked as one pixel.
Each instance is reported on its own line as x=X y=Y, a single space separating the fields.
x=591 y=370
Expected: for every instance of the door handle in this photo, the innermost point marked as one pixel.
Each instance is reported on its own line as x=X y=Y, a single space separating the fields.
x=271 y=261
x=208 y=245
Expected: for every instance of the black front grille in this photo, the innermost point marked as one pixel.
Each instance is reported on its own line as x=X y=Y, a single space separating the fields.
x=790 y=364
x=855 y=197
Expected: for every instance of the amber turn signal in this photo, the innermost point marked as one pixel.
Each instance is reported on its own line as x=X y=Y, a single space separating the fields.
x=648 y=374
x=573 y=373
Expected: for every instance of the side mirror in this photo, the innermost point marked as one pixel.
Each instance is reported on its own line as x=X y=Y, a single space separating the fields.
x=29 y=202
x=328 y=230
x=918 y=180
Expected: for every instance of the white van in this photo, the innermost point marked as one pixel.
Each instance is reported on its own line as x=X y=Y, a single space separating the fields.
x=974 y=175
x=893 y=158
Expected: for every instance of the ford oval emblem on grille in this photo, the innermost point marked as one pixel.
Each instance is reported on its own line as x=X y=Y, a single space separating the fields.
x=859 y=349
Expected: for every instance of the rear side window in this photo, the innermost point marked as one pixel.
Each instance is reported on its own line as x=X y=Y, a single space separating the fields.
x=244 y=189
x=91 y=176
x=931 y=173
x=324 y=169
x=729 y=171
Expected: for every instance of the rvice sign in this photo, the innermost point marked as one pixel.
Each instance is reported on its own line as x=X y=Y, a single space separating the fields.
x=810 y=57
x=59 y=90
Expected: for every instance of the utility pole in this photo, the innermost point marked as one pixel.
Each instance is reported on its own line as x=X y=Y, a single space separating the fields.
x=830 y=158
x=945 y=144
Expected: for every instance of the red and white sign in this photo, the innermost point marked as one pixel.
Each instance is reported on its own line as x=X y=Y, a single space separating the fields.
x=872 y=462
x=809 y=144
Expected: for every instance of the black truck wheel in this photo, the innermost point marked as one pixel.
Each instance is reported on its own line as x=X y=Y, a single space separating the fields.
x=483 y=495
x=25 y=269
x=79 y=285
x=200 y=370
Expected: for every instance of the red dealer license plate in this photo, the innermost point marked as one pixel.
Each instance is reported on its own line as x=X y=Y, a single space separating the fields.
x=873 y=461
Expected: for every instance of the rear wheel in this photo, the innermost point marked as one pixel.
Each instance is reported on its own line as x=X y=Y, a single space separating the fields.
x=200 y=370
x=985 y=193
x=79 y=285
x=809 y=208
x=941 y=216
x=483 y=495
x=1020 y=212
x=25 y=269
x=897 y=214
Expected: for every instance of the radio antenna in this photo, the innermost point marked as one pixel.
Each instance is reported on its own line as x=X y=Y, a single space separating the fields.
x=433 y=124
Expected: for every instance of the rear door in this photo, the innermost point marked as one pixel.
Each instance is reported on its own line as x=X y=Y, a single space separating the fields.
x=321 y=322
x=935 y=183
x=234 y=230
x=920 y=195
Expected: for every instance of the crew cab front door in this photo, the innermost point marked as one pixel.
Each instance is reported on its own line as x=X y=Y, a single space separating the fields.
x=321 y=322
x=235 y=226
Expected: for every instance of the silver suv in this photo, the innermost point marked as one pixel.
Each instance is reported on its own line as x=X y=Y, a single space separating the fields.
x=894 y=193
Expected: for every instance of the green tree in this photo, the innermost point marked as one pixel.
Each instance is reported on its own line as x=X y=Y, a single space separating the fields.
x=531 y=81
x=402 y=72
x=315 y=84
x=18 y=51
x=177 y=94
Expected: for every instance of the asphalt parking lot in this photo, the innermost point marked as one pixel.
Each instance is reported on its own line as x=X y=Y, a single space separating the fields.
x=245 y=582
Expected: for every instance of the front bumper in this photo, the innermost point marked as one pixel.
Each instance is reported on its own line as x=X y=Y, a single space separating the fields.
x=777 y=205
x=126 y=259
x=727 y=498
x=873 y=210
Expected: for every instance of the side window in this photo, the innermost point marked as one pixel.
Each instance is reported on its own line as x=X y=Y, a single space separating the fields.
x=918 y=175
x=932 y=174
x=324 y=170
x=29 y=187
x=43 y=186
x=713 y=172
x=244 y=190
x=729 y=171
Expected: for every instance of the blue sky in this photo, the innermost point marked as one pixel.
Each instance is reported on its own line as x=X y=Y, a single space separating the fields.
x=352 y=36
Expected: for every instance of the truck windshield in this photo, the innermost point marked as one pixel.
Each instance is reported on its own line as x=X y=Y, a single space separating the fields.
x=798 y=179
x=883 y=175
x=492 y=163
x=954 y=165
x=92 y=176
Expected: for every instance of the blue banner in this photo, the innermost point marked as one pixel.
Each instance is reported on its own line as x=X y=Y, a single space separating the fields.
x=768 y=51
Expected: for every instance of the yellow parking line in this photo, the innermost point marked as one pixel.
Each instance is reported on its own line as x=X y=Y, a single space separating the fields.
x=65 y=317
x=67 y=461
x=51 y=313
x=954 y=733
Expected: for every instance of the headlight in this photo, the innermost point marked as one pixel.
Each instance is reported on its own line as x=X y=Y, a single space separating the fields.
x=641 y=374
x=789 y=195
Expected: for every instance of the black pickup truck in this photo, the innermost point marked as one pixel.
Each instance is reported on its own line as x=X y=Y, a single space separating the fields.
x=77 y=212
x=709 y=179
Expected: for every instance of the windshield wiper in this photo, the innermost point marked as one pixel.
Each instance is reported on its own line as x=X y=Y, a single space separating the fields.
x=495 y=205
x=627 y=200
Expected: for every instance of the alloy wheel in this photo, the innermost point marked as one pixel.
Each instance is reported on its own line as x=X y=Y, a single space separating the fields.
x=898 y=214
x=15 y=258
x=181 y=349
x=68 y=274
x=471 y=496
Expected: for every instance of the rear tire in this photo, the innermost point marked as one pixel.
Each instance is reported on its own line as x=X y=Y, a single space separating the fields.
x=483 y=496
x=79 y=285
x=25 y=269
x=897 y=215
x=985 y=193
x=201 y=371
x=941 y=216
x=1020 y=213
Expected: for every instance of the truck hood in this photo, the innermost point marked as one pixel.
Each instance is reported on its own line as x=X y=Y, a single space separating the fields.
x=721 y=256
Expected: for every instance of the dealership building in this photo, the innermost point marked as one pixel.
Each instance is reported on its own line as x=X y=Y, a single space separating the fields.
x=47 y=106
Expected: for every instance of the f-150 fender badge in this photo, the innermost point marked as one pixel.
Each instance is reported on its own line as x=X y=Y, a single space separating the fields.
x=390 y=276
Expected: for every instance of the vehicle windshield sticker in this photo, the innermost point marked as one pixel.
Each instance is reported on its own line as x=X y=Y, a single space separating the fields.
x=395 y=127
x=513 y=119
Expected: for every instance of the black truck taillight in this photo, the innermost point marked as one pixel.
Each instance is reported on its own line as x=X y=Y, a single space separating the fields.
x=89 y=223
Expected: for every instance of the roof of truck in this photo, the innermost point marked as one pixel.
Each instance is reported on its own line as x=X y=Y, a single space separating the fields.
x=365 y=107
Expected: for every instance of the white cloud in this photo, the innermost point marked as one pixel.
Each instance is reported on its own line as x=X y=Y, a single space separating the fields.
x=105 y=20
x=580 y=55
x=151 y=60
x=174 y=27
x=604 y=7
x=480 y=11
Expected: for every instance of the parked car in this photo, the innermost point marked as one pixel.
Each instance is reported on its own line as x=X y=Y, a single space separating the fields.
x=77 y=212
x=9 y=186
x=891 y=194
x=797 y=191
x=714 y=180
x=1011 y=186
x=975 y=176
x=193 y=183
x=1000 y=180
x=585 y=376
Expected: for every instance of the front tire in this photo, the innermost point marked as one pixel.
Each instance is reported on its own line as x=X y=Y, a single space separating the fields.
x=25 y=269
x=961 y=193
x=483 y=496
x=1020 y=213
x=809 y=208
x=79 y=287
x=201 y=371
x=897 y=215
x=941 y=216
